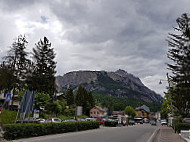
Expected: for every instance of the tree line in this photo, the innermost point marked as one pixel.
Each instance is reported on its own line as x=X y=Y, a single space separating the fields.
x=35 y=71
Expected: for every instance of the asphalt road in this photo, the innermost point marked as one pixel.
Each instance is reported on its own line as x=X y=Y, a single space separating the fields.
x=137 y=133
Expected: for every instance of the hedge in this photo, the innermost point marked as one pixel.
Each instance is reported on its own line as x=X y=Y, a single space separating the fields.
x=181 y=126
x=110 y=123
x=16 y=131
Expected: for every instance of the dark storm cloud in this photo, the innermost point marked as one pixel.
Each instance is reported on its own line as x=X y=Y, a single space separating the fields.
x=100 y=34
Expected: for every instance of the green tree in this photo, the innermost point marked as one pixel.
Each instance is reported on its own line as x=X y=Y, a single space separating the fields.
x=179 y=54
x=55 y=108
x=41 y=100
x=84 y=99
x=130 y=111
x=43 y=75
x=69 y=97
x=7 y=78
x=17 y=64
x=166 y=106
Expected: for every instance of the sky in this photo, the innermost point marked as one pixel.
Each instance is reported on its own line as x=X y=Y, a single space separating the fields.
x=97 y=34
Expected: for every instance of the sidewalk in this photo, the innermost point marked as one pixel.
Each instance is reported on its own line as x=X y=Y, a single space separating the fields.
x=167 y=134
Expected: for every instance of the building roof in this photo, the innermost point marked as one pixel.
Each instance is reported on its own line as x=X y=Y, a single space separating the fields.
x=118 y=113
x=143 y=107
x=99 y=108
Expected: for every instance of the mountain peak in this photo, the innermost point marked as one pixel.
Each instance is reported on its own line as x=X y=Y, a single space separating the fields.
x=121 y=72
x=118 y=83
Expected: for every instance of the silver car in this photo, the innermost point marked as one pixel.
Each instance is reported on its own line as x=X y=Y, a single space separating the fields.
x=53 y=120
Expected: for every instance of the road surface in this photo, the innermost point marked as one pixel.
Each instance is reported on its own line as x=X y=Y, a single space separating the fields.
x=137 y=133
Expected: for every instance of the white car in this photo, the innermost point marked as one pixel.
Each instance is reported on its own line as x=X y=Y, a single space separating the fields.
x=41 y=120
x=164 y=122
x=53 y=120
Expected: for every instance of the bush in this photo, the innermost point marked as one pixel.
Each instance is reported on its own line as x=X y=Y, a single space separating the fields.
x=87 y=125
x=7 y=116
x=16 y=131
x=181 y=126
x=110 y=123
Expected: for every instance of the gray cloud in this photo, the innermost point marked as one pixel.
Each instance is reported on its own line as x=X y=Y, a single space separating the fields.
x=97 y=34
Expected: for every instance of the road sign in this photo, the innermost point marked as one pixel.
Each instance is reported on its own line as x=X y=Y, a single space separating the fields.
x=36 y=113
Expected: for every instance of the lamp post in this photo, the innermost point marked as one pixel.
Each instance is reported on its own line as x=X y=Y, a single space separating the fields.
x=170 y=84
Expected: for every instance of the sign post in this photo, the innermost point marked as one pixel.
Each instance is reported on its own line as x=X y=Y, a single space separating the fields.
x=36 y=113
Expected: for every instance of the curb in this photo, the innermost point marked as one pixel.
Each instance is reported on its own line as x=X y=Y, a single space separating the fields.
x=186 y=139
x=151 y=139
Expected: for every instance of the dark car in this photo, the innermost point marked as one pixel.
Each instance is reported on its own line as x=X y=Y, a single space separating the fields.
x=28 y=120
x=186 y=120
x=153 y=122
x=131 y=122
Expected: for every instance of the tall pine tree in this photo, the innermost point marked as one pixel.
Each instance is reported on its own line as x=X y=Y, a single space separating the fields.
x=17 y=63
x=84 y=99
x=179 y=53
x=43 y=76
x=69 y=97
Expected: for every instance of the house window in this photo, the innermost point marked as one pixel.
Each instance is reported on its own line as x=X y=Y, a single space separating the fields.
x=94 y=112
x=97 y=112
x=90 y=112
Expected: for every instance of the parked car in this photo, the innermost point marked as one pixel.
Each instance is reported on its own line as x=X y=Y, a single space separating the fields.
x=131 y=122
x=139 y=120
x=100 y=120
x=164 y=122
x=153 y=122
x=41 y=120
x=146 y=120
x=53 y=120
x=70 y=120
x=186 y=120
x=28 y=120
x=90 y=119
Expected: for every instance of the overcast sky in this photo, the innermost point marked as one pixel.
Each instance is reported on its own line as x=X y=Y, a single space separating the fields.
x=97 y=34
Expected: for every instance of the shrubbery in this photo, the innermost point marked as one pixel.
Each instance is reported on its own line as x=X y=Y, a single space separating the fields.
x=181 y=126
x=7 y=116
x=16 y=131
x=110 y=123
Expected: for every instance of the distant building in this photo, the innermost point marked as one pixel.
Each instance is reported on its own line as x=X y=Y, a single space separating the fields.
x=143 y=112
x=116 y=113
x=98 y=112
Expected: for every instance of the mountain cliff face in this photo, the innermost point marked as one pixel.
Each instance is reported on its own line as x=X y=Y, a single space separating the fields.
x=119 y=83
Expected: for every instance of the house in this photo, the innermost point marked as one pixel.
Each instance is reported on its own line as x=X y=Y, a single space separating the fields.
x=118 y=113
x=98 y=112
x=143 y=112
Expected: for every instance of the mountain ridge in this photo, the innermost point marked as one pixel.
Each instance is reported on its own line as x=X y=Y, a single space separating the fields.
x=118 y=83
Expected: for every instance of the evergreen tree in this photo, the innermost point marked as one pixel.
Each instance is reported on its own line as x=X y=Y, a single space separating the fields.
x=7 y=78
x=16 y=64
x=179 y=53
x=84 y=99
x=17 y=59
x=69 y=97
x=43 y=76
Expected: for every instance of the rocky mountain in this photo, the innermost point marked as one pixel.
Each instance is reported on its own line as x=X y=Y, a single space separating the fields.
x=119 y=84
